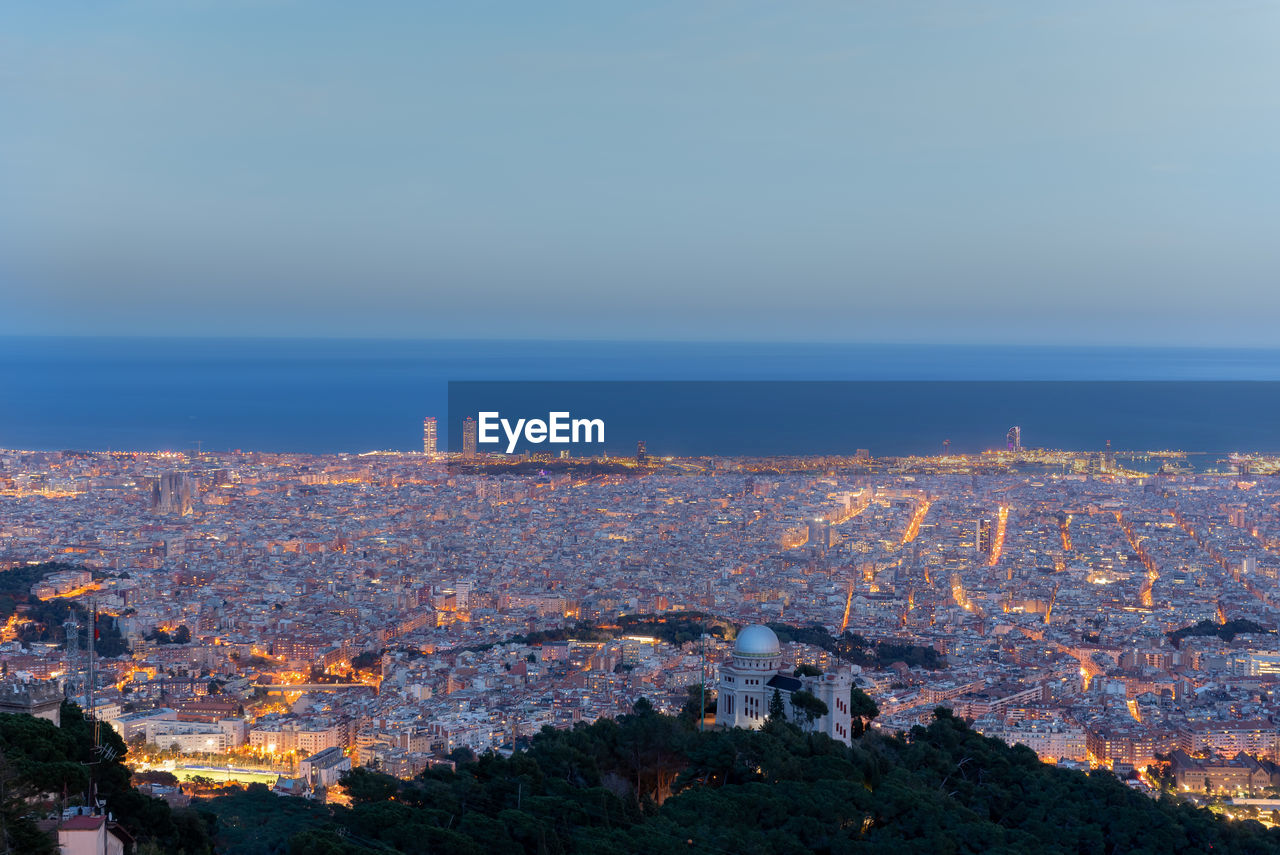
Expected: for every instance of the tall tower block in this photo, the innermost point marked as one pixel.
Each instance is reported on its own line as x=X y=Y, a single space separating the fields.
x=469 y=438
x=429 y=436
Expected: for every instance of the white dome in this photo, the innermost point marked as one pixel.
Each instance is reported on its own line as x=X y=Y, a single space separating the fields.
x=756 y=640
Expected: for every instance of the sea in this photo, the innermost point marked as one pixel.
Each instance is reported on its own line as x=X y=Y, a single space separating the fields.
x=354 y=395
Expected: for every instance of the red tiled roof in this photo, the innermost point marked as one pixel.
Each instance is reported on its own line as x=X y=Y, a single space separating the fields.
x=82 y=823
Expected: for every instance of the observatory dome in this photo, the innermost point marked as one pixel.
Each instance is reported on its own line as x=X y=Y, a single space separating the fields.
x=756 y=640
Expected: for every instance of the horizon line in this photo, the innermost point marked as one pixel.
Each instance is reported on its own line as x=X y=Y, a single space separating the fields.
x=1096 y=346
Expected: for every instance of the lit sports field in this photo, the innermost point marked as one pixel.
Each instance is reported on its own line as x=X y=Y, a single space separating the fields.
x=221 y=773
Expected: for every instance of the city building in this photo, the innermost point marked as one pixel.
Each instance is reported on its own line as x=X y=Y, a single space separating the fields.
x=755 y=673
x=92 y=835
x=325 y=768
x=40 y=698
x=1053 y=741
x=1216 y=774
x=469 y=438
x=429 y=436
x=982 y=537
x=173 y=493
x=1083 y=616
x=820 y=534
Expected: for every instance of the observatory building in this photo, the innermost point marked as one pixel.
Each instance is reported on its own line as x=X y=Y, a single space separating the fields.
x=755 y=671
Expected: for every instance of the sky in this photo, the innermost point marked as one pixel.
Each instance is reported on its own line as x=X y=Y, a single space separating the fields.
x=863 y=171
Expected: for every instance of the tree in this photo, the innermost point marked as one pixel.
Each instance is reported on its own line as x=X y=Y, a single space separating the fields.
x=652 y=747
x=368 y=659
x=156 y=776
x=364 y=785
x=255 y=820
x=807 y=670
x=54 y=760
x=777 y=711
x=808 y=707
x=462 y=754
x=182 y=635
x=600 y=788
x=699 y=703
x=18 y=829
x=862 y=709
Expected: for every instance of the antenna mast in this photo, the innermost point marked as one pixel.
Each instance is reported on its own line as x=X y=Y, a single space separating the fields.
x=88 y=691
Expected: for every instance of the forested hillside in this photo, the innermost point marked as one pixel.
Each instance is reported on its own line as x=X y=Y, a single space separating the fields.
x=648 y=783
x=44 y=767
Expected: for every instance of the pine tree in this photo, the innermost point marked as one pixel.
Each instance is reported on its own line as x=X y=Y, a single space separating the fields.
x=862 y=709
x=777 y=711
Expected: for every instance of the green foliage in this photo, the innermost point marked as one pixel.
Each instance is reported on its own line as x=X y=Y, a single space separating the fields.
x=862 y=710
x=816 y=635
x=682 y=627
x=17 y=580
x=701 y=702
x=326 y=843
x=885 y=654
x=156 y=776
x=852 y=647
x=46 y=617
x=808 y=707
x=462 y=754
x=366 y=660
x=652 y=783
x=255 y=821
x=672 y=627
x=580 y=631
x=579 y=468
x=777 y=709
x=43 y=761
x=807 y=670
x=19 y=811
x=365 y=786
x=1226 y=631
x=181 y=635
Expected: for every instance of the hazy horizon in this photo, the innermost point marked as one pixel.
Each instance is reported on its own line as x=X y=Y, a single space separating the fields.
x=707 y=341
x=994 y=172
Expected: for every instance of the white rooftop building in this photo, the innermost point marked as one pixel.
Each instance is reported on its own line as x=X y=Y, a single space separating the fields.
x=755 y=671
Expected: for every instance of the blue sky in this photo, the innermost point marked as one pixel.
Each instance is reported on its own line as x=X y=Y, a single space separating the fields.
x=845 y=171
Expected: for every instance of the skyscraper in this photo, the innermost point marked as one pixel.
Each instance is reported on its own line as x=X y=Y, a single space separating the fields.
x=429 y=436
x=982 y=539
x=469 y=438
x=642 y=456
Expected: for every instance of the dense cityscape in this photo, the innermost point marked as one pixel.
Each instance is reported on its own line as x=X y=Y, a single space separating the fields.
x=284 y=618
x=846 y=429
